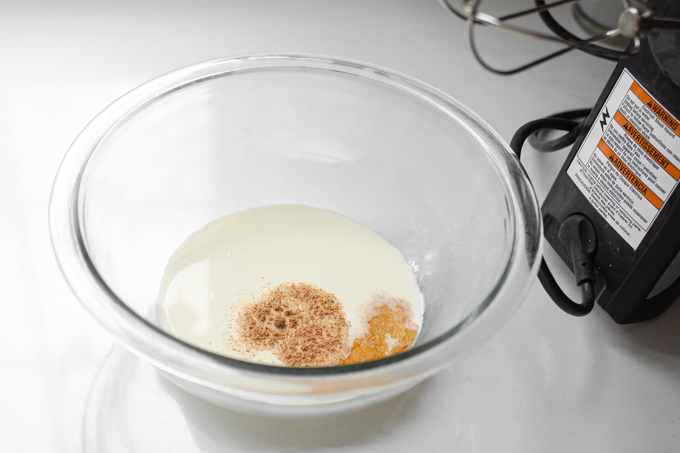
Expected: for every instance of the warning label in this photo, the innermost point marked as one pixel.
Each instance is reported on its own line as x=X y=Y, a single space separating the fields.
x=628 y=165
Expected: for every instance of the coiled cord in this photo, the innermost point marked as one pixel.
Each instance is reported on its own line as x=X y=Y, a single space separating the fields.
x=564 y=121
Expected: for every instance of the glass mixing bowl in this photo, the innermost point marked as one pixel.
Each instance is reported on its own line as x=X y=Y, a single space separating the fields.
x=388 y=151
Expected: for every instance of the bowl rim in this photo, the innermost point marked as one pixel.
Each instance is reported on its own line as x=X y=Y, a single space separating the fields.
x=91 y=289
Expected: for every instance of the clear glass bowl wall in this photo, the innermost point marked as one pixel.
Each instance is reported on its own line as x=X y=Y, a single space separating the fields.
x=223 y=136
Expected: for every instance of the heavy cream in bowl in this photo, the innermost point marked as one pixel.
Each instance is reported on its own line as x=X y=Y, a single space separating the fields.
x=291 y=285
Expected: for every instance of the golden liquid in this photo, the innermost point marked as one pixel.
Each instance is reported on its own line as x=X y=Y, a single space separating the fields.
x=388 y=335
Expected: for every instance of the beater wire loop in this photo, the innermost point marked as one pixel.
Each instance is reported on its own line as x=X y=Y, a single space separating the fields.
x=634 y=22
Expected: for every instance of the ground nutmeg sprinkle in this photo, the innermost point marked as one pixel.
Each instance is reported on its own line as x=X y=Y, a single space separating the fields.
x=304 y=326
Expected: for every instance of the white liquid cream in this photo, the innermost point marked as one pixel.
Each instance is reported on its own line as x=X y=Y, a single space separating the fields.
x=233 y=261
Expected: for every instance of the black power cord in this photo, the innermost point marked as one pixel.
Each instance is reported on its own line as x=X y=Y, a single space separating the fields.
x=576 y=233
x=565 y=140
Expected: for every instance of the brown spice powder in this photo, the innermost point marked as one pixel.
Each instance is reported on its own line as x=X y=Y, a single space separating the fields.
x=303 y=325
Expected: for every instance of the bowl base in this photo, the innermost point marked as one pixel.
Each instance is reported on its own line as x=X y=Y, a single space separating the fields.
x=319 y=407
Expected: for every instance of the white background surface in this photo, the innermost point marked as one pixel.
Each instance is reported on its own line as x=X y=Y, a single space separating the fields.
x=547 y=383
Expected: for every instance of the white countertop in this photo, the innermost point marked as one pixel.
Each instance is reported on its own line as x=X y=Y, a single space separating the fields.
x=547 y=383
